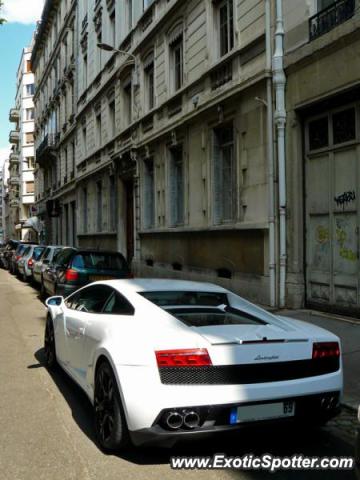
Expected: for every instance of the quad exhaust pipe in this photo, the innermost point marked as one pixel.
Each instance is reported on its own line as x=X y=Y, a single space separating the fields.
x=191 y=420
x=174 y=420
x=188 y=419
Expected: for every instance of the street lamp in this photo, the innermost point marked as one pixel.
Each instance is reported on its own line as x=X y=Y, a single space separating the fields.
x=109 y=48
x=135 y=77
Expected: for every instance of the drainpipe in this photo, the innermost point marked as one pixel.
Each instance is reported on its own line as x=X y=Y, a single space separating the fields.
x=270 y=155
x=280 y=122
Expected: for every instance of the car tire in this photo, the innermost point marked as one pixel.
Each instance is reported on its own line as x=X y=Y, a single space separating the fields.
x=49 y=345
x=110 y=423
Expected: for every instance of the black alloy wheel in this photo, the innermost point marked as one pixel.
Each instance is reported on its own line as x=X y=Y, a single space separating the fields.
x=110 y=423
x=49 y=344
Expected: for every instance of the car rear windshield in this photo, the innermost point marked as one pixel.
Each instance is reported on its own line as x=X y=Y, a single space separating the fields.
x=210 y=317
x=20 y=249
x=38 y=252
x=99 y=261
x=186 y=298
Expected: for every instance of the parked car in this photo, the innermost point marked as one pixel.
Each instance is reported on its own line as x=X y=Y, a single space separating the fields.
x=44 y=261
x=8 y=252
x=26 y=262
x=163 y=360
x=72 y=269
x=16 y=255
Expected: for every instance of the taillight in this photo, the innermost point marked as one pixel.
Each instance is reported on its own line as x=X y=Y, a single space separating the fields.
x=17 y=257
x=71 y=275
x=197 y=357
x=325 y=350
x=30 y=263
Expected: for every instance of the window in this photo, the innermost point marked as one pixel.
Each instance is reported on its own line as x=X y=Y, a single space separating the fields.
x=84 y=139
x=112 y=30
x=113 y=204
x=30 y=89
x=128 y=98
x=85 y=72
x=147 y=3
x=29 y=114
x=27 y=66
x=226 y=26
x=118 y=305
x=149 y=194
x=98 y=129
x=176 y=186
x=176 y=60
x=85 y=210
x=318 y=133
x=63 y=257
x=130 y=14
x=344 y=126
x=99 y=205
x=73 y=158
x=322 y=4
x=112 y=118
x=90 y=300
x=224 y=174
x=100 y=261
x=149 y=84
x=29 y=187
x=29 y=137
x=29 y=163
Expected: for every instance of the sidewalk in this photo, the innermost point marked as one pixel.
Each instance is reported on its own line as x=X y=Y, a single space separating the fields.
x=348 y=330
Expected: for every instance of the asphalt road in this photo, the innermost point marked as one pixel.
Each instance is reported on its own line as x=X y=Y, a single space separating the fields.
x=46 y=421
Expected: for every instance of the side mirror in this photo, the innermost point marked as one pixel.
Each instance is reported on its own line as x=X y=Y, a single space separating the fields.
x=54 y=301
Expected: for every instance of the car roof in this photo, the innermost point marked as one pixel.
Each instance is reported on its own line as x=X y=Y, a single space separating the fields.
x=163 y=284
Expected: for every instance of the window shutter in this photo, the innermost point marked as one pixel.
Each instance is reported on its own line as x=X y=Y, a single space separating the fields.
x=173 y=190
x=216 y=180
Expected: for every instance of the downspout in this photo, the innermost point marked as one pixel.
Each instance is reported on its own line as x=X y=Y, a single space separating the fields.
x=280 y=122
x=270 y=155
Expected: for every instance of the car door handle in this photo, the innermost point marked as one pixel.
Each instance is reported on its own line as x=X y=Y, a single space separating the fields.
x=81 y=331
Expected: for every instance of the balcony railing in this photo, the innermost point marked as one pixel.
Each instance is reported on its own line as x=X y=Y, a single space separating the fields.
x=14 y=136
x=14 y=115
x=47 y=146
x=330 y=17
x=222 y=75
x=14 y=158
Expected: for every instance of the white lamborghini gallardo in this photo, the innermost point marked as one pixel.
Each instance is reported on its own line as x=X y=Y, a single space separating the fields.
x=165 y=359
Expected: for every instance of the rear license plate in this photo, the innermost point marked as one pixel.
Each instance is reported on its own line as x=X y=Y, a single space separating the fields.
x=95 y=278
x=267 y=411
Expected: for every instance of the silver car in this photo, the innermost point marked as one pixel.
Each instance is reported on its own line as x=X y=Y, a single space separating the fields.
x=26 y=262
x=43 y=261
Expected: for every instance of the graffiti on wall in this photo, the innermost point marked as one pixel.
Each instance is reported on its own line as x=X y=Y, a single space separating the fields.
x=345 y=198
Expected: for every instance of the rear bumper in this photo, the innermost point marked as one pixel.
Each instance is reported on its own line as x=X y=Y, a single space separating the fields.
x=309 y=410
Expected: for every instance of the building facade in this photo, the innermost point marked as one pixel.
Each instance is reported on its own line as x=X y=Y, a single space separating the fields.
x=22 y=157
x=323 y=134
x=194 y=147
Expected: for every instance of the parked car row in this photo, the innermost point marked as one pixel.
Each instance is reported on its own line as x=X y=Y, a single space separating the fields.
x=61 y=270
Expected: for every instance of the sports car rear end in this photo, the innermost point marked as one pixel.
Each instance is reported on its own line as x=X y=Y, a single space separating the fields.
x=224 y=367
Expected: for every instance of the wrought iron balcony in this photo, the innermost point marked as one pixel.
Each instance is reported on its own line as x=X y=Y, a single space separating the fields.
x=330 y=17
x=14 y=115
x=14 y=136
x=14 y=203
x=47 y=147
x=15 y=179
x=14 y=158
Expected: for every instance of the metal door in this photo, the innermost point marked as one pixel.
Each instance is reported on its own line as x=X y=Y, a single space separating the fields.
x=332 y=220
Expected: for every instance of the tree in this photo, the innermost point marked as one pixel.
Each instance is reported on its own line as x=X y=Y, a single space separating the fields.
x=2 y=20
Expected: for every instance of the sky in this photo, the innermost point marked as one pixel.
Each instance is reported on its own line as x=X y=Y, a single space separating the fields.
x=15 y=34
